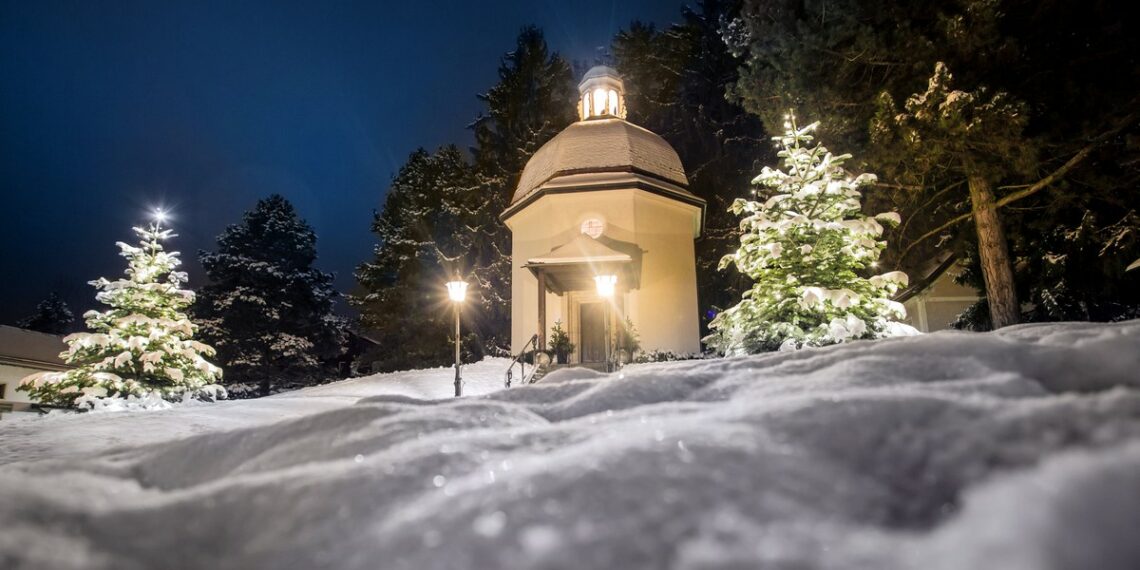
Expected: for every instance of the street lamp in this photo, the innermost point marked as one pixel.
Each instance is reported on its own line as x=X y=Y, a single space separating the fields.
x=457 y=292
x=606 y=285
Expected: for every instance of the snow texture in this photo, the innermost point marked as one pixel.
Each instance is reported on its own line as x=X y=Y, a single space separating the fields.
x=1018 y=449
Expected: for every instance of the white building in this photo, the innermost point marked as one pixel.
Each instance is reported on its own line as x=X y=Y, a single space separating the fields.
x=24 y=352
x=605 y=199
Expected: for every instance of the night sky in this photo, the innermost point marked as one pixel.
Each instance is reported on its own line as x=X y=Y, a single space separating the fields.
x=109 y=109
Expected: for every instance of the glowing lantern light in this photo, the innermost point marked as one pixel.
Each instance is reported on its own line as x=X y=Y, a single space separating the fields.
x=605 y=284
x=457 y=290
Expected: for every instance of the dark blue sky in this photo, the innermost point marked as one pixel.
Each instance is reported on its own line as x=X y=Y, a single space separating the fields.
x=110 y=108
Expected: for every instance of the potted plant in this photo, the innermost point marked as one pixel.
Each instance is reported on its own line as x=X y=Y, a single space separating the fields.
x=628 y=341
x=560 y=343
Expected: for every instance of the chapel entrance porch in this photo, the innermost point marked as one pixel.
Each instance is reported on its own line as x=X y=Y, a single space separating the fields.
x=591 y=277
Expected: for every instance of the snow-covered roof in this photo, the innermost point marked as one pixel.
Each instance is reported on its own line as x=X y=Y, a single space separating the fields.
x=601 y=145
x=582 y=249
x=31 y=349
x=573 y=265
x=600 y=71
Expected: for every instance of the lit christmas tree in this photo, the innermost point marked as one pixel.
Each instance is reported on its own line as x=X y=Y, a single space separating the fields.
x=804 y=246
x=140 y=351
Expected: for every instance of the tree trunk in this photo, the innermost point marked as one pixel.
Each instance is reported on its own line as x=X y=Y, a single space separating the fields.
x=993 y=252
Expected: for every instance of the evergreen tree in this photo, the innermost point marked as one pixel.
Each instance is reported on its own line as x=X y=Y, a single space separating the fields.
x=52 y=316
x=976 y=135
x=534 y=100
x=266 y=309
x=804 y=243
x=140 y=348
x=422 y=239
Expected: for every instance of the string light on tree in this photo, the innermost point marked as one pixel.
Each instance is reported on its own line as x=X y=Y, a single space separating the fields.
x=805 y=243
x=141 y=350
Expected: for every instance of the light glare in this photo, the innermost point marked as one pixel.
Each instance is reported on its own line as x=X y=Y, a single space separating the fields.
x=605 y=285
x=457 y=290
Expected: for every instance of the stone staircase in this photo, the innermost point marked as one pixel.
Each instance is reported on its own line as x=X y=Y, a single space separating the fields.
x=548 y=368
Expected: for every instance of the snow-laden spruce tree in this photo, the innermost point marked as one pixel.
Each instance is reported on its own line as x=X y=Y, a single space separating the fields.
x=52 y=316
x=140 y=351
x=804 y=242
x=266 y=309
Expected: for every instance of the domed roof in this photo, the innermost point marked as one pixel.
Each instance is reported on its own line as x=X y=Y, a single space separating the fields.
x=598 y=146
x=600 y=71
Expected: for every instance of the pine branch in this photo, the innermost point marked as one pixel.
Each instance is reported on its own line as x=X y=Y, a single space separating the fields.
x=1036 y=187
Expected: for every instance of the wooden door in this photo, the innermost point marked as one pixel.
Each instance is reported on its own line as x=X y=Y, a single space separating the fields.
x=592 y=341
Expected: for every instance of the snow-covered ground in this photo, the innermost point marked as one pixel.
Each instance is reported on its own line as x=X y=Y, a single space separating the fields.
x=1014 y=450
x=60 y=434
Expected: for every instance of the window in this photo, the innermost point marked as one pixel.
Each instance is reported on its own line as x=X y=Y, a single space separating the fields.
x=593 y=227
x=599 y=103
x=613 y=102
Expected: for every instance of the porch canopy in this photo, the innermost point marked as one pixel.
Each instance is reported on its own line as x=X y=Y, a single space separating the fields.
x=572 y=266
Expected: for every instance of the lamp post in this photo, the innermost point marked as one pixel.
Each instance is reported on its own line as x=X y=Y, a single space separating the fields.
x=606 y=285
x=457 y=292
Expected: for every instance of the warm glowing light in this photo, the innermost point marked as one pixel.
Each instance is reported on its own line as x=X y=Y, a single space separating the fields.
x=599 y=104
x=605 y=285
x=457 y=290
x=159 y=215
x=613 y=102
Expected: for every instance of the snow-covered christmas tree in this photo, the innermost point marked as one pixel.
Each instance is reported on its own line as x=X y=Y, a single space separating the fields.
x=805 y=243
x=140 y=351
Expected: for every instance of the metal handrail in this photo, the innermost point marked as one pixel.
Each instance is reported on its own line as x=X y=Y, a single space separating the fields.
x=519 y=360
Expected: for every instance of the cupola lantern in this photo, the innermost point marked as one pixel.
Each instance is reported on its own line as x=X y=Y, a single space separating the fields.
x=602 y=94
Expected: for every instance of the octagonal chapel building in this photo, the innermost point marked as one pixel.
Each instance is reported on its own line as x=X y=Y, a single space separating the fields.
x=603 y=204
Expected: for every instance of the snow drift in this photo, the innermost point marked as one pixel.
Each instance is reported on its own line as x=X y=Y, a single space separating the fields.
x=1016 y=450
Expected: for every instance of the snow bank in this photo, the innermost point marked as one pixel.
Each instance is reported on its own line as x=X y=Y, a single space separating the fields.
x=30 y=436
x=1015 y=450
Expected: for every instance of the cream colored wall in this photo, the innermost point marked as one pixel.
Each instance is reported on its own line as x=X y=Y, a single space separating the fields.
x=664 y=309
x=936 y=307
x=10 y=376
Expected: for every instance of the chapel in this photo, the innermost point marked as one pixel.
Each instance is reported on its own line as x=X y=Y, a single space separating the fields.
x=603 y=228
